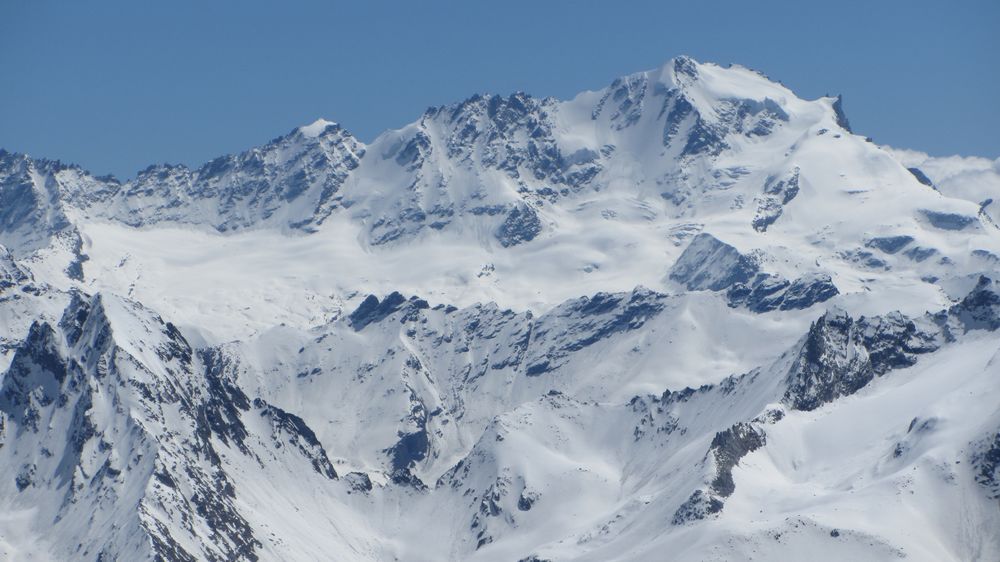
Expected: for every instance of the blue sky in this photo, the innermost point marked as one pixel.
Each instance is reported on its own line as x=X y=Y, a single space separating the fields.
x=117 y=85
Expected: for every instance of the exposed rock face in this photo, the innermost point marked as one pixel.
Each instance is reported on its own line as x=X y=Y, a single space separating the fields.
x=700 y=505
x=728 y=447
x=980 y=309
x=808 y=290
x=841 y=355
x=986 y=463
x=492 y=158
x=777 y=194
x=710 y=264
x=11 y=274
x=725 y=452
x=65 y=379
x=289 y=429
x=513 y=134
x=414 y=445
x=890 y=244
x=766 y=292
x=622 y=101
x=706 y=134
x=521 y=225
x=71 y=384
x=838 y=108
x=359 y=482
x=32 y=210
x=371 y=310
x=292 y=182
x=584 y=322
x=949 y=221
x=921 y=176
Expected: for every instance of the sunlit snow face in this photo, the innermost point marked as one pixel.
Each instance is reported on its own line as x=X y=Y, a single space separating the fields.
x=687 y=313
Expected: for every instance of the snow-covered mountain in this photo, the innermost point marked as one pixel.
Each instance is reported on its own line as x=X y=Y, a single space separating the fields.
x=688 y=313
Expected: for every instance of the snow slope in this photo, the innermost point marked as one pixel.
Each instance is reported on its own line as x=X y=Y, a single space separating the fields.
x=689 y=312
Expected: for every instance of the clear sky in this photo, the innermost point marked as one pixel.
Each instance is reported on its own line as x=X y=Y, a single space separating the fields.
x=117 y=85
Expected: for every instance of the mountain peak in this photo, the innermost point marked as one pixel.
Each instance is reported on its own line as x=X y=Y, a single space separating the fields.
x=317 y=128
x=679 y=70
x=684 y=72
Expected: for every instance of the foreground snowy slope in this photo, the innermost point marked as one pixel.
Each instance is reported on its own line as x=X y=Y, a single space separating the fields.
x=687 y=313
x=182 y=454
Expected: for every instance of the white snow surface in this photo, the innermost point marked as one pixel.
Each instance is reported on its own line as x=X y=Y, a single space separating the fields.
x=194 y=368
x=315 y=128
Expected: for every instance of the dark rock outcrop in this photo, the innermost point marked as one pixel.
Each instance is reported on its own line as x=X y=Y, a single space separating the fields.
x=584 y=322
x=841 y=116
x=986 y=465
x=980 y=309
x=921 y=176
x=521 y=225
x=889 y=244
x=841 y=355
x=710 y=264
x=778 y=192
x=948 y=221
x=287 y=428
x=767 y=292
x=358 y=481
x=11 y=274
x=728 y=447
x=372 y=311
x=700 y=505
x=725 y=452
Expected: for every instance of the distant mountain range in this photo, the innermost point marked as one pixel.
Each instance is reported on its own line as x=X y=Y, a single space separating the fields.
x=688 y=316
